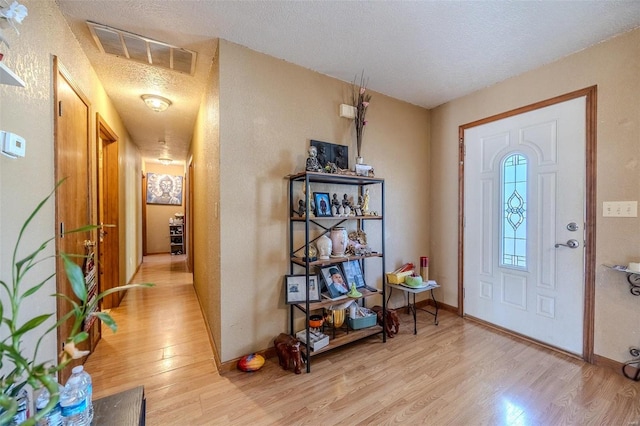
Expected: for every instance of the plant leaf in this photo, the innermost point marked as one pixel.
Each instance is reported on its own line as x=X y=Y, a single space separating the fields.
x=37 y=287
x=31 y=324
x=76 y=278
x=107 y=320
x=80 y=337
x=31 y=256
x=121 y=288
x=31 y=216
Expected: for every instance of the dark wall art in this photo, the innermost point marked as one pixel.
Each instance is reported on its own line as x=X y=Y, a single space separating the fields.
x=332 y=153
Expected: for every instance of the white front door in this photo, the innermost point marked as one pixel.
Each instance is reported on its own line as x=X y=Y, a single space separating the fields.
x=524 y=192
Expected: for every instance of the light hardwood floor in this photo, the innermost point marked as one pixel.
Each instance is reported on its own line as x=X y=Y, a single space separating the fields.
x=457 y=373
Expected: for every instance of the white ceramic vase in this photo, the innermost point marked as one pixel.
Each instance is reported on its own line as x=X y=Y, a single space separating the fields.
x=324 y=244
x=339 y=240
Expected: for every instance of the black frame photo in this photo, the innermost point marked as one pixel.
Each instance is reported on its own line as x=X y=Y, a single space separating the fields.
x=353 y=273
x=295 y=289
x=322 y=210
x=327 y=272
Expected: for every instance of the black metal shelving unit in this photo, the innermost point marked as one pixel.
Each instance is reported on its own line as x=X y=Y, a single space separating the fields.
x=323 y=225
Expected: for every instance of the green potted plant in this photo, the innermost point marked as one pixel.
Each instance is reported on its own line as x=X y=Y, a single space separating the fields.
x=21 y=368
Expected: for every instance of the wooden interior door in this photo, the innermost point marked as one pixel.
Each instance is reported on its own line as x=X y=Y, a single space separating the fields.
x=108 y=217
x=73 y=202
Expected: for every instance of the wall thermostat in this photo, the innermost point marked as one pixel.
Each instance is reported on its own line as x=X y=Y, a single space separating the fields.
x=13 y=146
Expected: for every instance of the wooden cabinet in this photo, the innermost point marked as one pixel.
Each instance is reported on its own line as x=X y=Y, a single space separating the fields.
x=176 y=236
x=306 y=229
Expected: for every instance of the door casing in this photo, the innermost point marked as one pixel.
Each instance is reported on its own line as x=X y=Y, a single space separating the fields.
x=108 y=212
x=590 y=93
x=73 y=198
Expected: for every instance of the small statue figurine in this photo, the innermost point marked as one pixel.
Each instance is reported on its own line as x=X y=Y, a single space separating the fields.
x=335 y=201
x=313 y=165
x=345 y=201
x=354 y=292
x=309 y=202
x=392 y=323
x=365 y=201
x=288 y=350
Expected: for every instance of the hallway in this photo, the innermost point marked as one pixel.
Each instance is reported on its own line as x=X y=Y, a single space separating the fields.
x=161 y=343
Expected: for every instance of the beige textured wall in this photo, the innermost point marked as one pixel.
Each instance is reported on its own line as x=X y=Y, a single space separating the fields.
x=269 y=110
x=614 y=66
x=205 y=155
x=158 y=216
x=29 y=113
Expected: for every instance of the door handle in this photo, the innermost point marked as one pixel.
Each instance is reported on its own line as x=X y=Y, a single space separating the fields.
x=570 y=243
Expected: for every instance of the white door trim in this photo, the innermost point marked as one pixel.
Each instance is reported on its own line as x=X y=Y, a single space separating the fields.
x=590 y=94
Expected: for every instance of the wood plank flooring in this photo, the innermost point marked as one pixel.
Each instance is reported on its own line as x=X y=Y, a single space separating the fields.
x=456 y=373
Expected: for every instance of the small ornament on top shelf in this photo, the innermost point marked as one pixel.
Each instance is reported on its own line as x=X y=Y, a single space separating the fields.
x=313 y=165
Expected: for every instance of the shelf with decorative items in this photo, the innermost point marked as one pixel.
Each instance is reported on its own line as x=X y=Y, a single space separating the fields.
x=633 y=275
x=327 y=261
x=631 y=368
x=176 y=236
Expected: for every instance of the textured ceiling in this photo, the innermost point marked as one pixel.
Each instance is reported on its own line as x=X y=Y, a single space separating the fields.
x=424 y=52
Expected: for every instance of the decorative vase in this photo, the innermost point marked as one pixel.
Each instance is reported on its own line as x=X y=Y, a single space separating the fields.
x=339 y=241
x=335 y=317
x=359 y=160
x=311 y=253
x=323 y=244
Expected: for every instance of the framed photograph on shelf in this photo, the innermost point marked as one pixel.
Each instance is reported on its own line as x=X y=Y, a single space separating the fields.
x=323 y=204
x=353 y=273
x=334 y=281
x=295 y=289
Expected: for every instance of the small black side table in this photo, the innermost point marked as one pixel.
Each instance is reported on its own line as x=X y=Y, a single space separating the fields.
x=411 y=306
x=127 y=408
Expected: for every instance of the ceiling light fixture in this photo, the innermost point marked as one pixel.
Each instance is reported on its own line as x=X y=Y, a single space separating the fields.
x=156 y=103
x=166 y=161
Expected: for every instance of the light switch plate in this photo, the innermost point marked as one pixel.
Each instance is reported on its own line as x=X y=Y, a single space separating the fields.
x=620 y=209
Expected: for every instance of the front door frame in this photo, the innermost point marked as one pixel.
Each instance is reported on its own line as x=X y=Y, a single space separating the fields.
x=590 y=93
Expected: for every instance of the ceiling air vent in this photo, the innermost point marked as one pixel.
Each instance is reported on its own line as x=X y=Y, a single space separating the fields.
x=142 y=49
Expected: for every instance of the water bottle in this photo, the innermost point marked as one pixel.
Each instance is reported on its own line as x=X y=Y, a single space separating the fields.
x=73 y=403
x=23 y=408
x=53 y=417
x=86 y=383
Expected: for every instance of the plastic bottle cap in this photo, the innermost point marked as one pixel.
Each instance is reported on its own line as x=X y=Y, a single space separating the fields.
x=77 y=369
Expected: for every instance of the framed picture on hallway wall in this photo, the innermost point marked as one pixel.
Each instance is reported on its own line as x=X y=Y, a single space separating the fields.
x=164 y=189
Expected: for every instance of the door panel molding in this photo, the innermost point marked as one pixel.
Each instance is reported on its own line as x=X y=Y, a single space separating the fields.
x=590 y=94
